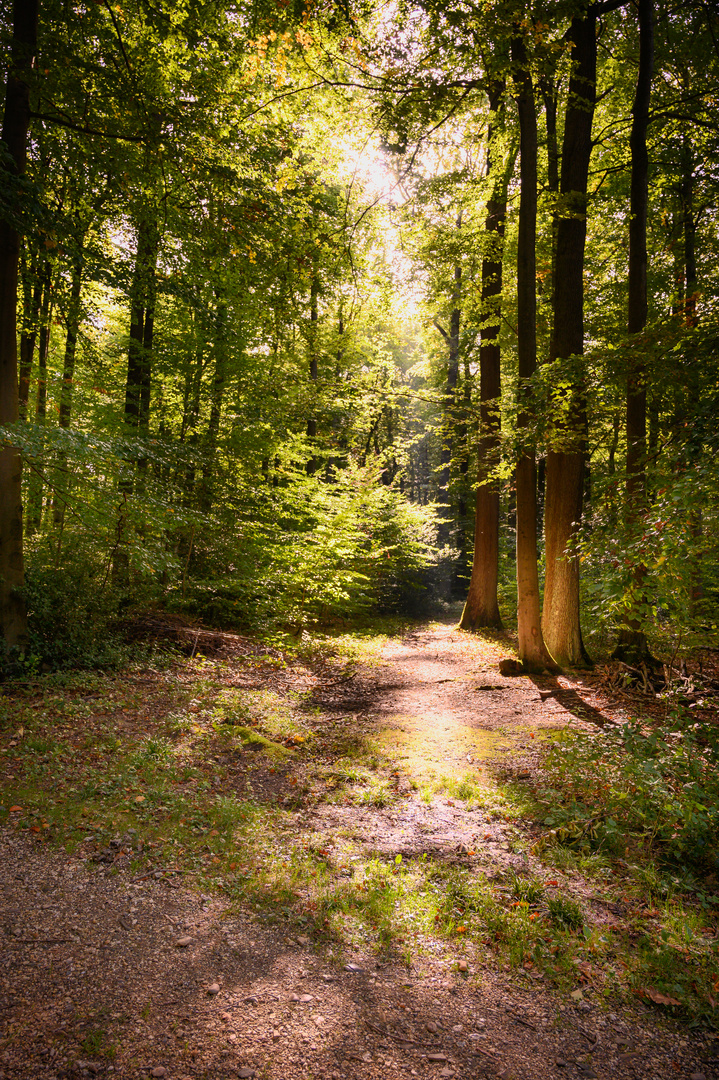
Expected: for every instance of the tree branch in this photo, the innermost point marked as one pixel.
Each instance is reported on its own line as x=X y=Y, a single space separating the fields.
x=84 y=129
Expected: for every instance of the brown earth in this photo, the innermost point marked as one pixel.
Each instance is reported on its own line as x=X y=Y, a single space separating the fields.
x=108 y=976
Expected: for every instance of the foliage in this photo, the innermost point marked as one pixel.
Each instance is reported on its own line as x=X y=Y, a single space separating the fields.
x=638 y=793
x=313 y=551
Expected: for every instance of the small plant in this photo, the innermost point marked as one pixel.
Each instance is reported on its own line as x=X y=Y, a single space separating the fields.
x=94 y=1042
x=527 y=889
x=565 y=913
x=377 y=794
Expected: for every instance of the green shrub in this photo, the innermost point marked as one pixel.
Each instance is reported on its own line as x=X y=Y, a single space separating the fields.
x=658 y=791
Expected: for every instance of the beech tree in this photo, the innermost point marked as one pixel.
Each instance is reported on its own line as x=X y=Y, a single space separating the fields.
x=533 y=654
x=632 y=640
x=482 y=605
x=567 y=421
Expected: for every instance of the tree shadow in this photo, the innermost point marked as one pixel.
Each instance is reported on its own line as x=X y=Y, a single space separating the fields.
x=549 y=686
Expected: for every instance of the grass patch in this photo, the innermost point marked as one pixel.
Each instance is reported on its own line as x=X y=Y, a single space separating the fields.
x=252 y=740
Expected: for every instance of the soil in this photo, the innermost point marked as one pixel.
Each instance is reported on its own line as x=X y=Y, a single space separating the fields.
x=109 y=976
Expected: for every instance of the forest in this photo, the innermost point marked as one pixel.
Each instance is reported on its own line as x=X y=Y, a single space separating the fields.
x=325 y=312
x=359 y=537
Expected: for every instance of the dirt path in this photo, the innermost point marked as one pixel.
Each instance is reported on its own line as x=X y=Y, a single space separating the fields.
x=438 y=704
x=105 y=975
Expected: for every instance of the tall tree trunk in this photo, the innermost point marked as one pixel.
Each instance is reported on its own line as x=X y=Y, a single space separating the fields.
x=632 y=644
x=139 y=371
x=689 y=231
x=32 y=289
x=482 y=606
x=550 y=94
x=567 y=420
x=142 y=314
x=448 y=432
x=73 y=326
x=312 y=363
x=33 y=518
x=66 y=388
x=464 y=415
x=533 y=652
x=218 y=389
x=16 y=120
x=696 y=583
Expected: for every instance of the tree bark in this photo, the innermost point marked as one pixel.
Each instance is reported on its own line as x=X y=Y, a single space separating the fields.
x=218 y=389
x=33 y=518
x=482 y=605
x=533 y=652
x=16 y=121
x=567 y=420
x=632 y=645
x=313 y=364
x=32 y=288
x=139 y=373
x=142 y=315
x=68 y=378
x=449 y=415
x=550 y=94
x=689 y=230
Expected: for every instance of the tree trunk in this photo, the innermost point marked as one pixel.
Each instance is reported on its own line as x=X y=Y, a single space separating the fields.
x=482 y=606
x=16 y=120
x=448 y=431
x=632 y=645
x=567 y=420
x=33 y=517
x=550 y=94
x=696 y=582
x=142 y=315
x=218 y=388
x=139 y=372
x=689 y=230
x=68 y=378
x=32 y=288
x=533 y=652
x=313 y=365
x=73 y=326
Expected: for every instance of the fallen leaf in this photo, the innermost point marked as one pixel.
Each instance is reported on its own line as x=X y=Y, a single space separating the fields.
x=658 y=997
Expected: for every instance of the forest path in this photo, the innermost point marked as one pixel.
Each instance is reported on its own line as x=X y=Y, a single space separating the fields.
x=436 y=716
x=450 y=711
x=341 y=912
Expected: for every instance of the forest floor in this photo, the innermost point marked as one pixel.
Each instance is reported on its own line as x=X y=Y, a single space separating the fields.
x=330 y=864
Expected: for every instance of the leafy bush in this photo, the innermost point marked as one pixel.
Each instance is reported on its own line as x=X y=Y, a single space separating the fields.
x=658 y=791
x=314 y=551
x=72 y=617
